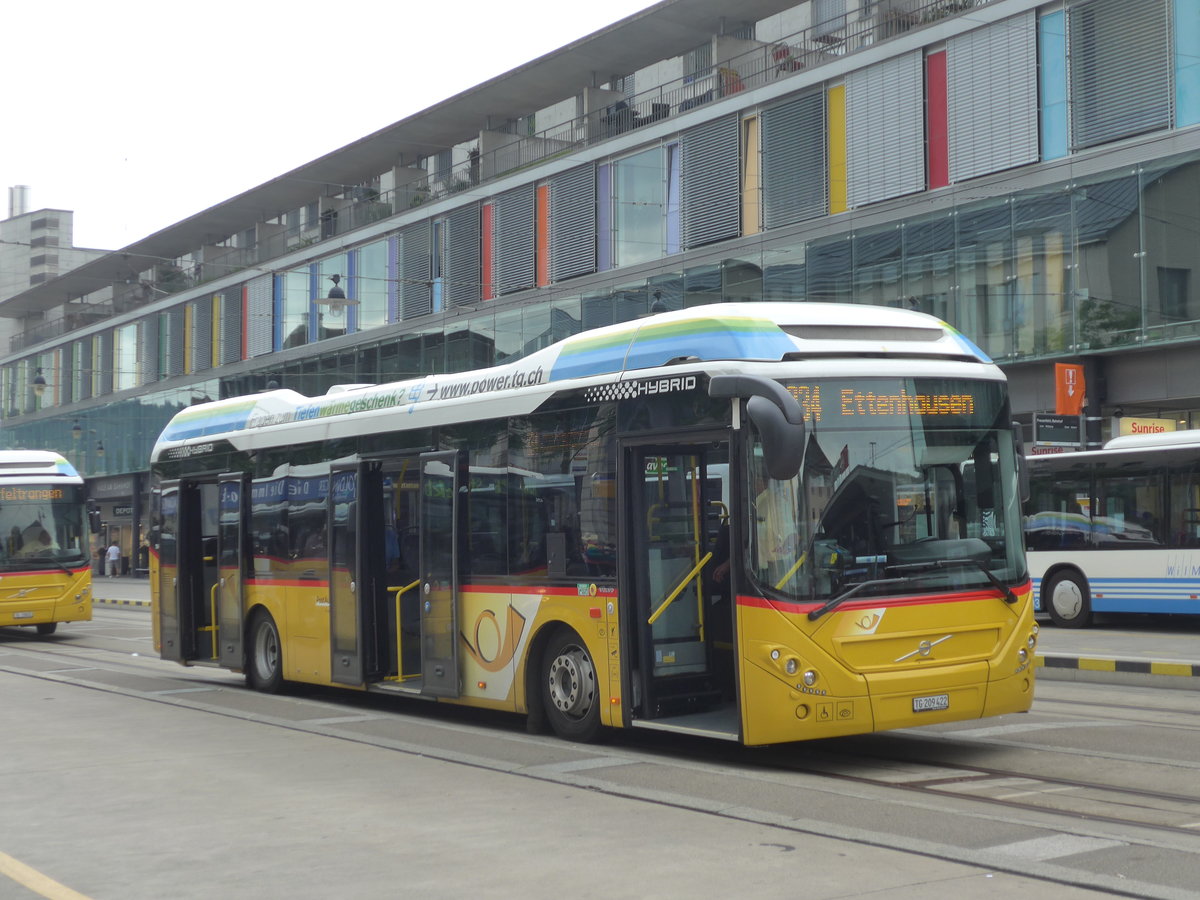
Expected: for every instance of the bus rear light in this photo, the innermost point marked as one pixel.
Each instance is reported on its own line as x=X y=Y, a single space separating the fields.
x=482 y=685
x=615 y=701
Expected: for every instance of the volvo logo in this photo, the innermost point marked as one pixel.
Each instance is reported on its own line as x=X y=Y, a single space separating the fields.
x=924 y=648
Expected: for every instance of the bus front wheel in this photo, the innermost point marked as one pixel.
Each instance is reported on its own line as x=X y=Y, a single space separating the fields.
x=570 y=692
x=47 y=627
x=264 y=671
x=1069 y=601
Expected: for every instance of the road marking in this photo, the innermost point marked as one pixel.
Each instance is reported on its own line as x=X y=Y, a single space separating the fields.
x=26 y=876
x=199 y=690
x=1056 y=846
x=338 y=720
x=579 y=765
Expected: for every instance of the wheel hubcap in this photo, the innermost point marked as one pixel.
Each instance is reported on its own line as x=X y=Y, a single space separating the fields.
x=572 y=682
x=266 y=652
x=1067 y=599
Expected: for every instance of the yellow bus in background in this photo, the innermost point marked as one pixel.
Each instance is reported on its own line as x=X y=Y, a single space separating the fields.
x=761 y=522
x=45 y=566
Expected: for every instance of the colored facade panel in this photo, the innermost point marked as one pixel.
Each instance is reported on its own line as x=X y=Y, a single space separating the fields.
x=674 y=189
x=936 y=120
x=542 y=235
x=835 y=114
x=1187 y=63
x=1052 y=85
x=751 y=203
x=486 y=263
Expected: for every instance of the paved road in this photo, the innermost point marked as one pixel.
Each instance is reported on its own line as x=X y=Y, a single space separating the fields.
x=128 y=778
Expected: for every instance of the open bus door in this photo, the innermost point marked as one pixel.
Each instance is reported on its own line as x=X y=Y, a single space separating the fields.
x=682 y=613
x=355 y=552
x=171 y=625
x=439 y=515
x=231 y=563
x=188 y=594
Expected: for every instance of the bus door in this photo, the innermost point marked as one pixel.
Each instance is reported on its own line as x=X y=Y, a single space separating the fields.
x=354 y=581
x=188 y=592
x=399 y=530
x=678 y=534
x=171 y=623
x=439 y=515
x=231 y=563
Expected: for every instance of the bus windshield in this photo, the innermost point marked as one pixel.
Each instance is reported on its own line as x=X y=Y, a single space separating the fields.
x=41 y=526
x=906 y=486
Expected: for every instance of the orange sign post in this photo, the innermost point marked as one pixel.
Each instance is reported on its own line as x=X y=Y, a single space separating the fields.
x=1069 y=389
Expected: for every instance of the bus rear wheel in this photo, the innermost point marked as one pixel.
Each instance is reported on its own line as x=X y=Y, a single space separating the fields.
x=1069 y=601
x=47 y=627
x=264 y=669
x=570 y=691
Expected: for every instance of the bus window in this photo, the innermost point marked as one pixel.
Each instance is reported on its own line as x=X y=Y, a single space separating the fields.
x=1129 y=509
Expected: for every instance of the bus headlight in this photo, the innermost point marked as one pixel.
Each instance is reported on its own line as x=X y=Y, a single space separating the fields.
x=1023 y=656
x=791 y=665
x=810 y=678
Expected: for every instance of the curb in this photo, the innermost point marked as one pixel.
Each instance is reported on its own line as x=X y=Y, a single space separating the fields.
x=104 y=602
x=1136 y=672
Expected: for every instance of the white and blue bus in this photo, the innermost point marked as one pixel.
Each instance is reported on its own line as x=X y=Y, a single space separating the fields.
x=1116 y=530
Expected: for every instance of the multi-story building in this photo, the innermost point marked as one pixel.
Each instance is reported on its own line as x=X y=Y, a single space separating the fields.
x=35 y=247
x=1029 y=172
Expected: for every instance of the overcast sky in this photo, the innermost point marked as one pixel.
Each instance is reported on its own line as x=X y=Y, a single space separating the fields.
x=139 y=113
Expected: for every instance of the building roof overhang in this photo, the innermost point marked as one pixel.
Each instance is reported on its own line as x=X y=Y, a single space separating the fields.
x=662 y=31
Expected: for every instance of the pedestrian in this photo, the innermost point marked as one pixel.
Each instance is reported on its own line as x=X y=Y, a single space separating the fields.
x=112 y=559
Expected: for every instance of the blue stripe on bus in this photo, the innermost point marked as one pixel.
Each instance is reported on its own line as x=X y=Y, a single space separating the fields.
x=1159 y=595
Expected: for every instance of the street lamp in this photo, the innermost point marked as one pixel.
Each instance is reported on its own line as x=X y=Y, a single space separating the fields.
x=337 y=299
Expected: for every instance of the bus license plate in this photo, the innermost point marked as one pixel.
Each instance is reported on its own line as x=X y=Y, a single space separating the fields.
x=926 y=704
x=23 y=615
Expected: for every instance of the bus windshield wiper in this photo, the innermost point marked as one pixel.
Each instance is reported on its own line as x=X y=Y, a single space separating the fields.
x=1004 y=589
x=840 y=598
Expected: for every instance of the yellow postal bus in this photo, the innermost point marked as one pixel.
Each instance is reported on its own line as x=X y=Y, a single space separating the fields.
x=45 y=572
x=757 y=522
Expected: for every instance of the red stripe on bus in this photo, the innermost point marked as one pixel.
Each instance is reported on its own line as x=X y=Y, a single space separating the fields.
x=78 y=571
x=791 y=606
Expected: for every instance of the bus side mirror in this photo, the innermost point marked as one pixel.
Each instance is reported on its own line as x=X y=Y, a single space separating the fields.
x=783 y=442
x=1022 y=462
x=93 y=514
x=775 y=413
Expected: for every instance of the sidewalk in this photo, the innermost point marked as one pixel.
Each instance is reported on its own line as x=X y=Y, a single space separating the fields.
x=121 y=591
x=1151 y=651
